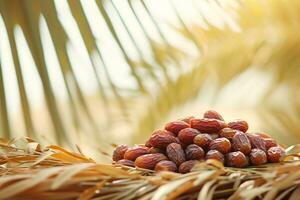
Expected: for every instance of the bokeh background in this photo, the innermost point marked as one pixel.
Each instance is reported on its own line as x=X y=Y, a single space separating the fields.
x=87 y=74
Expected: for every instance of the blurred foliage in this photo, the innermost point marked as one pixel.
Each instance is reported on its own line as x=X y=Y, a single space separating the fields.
x=248 y=35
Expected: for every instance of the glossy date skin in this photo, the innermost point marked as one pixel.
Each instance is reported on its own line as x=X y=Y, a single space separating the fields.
x=183 y=143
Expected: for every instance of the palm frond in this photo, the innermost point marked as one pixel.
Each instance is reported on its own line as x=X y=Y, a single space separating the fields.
x=31 y=171
x=159 y=80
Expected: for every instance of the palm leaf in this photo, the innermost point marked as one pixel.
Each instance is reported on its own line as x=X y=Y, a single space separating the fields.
x=68 y=175
x=170 y=78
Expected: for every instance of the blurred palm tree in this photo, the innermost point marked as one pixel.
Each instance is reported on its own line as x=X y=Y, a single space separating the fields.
x=249 y=45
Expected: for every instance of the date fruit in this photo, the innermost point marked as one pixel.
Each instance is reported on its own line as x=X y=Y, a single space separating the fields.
x=148 y=161
x=186 y=166
x=166 y=165
x=216 y=155
x=222 y=145
x=176 y=126
x=155 y=150
x=202 y=140
x=236 y=159
x=188 y=119
x=240 y=142
x=275 y=154
x=161 y=141
x=134 y=152
x=194 y=152
x=257 y=142
x=239 y=124
x=206 y=125
x=175 y=153
x=258 y=157
x=125 y=162
x=119 y=152
x=160 y=131
x=227 y=133
x=185 y=142
x=269 y=142
x=211 y=114
x=187 y=135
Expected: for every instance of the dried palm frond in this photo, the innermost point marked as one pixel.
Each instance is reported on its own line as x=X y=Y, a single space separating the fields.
x=30 y=172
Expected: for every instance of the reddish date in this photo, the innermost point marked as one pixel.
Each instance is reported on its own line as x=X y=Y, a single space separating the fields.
x=236 y=159
x=240 y=142
x=159 y=131
x=257 y=142
x=239 y=124
x=222 y=145
x=155 y=150
x=208 y=125
x=275 y=154
x=187 y=166
x=211 y=114
x=187 y=119
x=227 y=133
x=134 y=152
x=166 y=165
x=149 y=161
x=269 y=142
x=119 y=152
x=187 y=135
x=175 y=153
x=216 y=155
x=161 y=141
x=258 y=157
x=125 y=162
x=176 y=126
x=202 y=140
x=194 y=152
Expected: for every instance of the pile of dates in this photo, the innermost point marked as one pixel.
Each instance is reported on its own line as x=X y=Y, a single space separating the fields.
x=184 y=143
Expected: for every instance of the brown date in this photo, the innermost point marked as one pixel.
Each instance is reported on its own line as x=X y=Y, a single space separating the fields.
x=175 y=153
x=269 y=142
x=194 y=152
x=202 y=140
x=275 y=154
x=125 y=162
x=216 y=155
x=147 y=144
x=240 y=142
x=186 y=166
x=227 y=133
x=187 y=135
x=222 y=145
x=161 y=141
x=119 y=152
x=187 y=119
x=208 y=125
x=257 y=142
x=148 y=161
x=239 y=124
x=166 y=165
x=160 y=131
x=176 y=126
x=134 y=152
x=236 y=159
x=211 y=114
x=258 y=157
x=155 y=150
